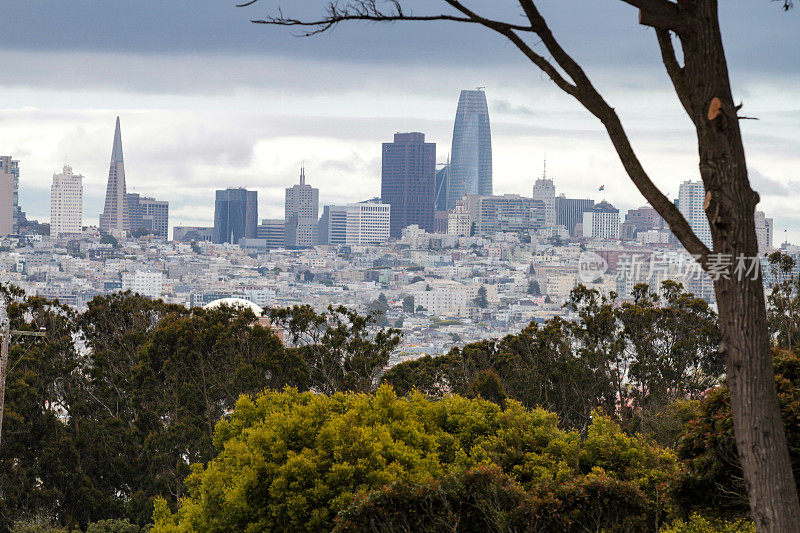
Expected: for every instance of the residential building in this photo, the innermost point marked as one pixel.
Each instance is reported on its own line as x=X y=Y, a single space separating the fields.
x=114 y=218
x=145 y=283
x=301 y=214
x=470 y=171
x=602 y=221
x=235 y=215
x=66 y=203
x=408 y=169
x=459 y=222
x=691 y=200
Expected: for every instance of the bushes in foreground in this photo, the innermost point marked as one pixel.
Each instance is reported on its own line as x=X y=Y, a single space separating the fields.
x=300 y=461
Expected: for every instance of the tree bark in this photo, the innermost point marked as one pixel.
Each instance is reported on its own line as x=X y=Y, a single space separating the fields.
x=730 y=206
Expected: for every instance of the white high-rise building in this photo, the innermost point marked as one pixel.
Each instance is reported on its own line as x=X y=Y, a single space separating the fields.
x=601 y=221
x=368 y=223
x=459 y=222
x=362 y=223
x=764 y=227
x=545 y=190
x=66 y=203
x=691 y=197
x=301 y=214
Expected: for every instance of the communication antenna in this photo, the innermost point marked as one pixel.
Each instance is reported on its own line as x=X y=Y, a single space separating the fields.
x=480 y=88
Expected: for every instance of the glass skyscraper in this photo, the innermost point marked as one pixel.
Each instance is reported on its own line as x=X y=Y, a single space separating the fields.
x=408 y=179
x=471 y=156
x=235 y=215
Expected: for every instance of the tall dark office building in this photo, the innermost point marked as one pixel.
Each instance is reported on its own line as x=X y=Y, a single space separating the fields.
x=471 y=155
x=569 y=211
x=408 y=179
x=235 y=215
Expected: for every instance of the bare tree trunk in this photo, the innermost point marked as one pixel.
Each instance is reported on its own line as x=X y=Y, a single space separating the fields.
x=730 y=205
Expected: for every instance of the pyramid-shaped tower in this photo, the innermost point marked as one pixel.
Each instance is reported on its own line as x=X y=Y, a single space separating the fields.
x=114 y=219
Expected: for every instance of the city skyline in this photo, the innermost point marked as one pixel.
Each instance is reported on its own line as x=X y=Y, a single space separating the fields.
x=246 y=127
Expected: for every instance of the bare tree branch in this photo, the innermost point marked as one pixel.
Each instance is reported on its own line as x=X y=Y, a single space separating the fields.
x=370 y=11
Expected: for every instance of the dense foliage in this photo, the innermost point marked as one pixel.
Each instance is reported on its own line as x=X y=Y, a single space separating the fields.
x=294 y=461
x=713 y=480
x=629 y=360
x=110 y=409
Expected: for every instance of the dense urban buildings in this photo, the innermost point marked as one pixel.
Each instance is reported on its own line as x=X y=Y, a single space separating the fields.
x=114 y=218
x=66 y=203
x=10 y=166
x=9 y=175
x=408 y=179
x=301 y=214
x=691 y=197
x=235 y=215
x=470 y=169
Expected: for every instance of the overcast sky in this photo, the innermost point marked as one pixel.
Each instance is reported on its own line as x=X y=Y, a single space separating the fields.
x=209 y=100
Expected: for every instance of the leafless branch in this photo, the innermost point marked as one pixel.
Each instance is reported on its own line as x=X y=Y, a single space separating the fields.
x=371 y=11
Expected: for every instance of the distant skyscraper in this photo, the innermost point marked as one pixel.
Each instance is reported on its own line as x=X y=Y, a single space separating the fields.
x=691 y=197
x=545 y=190
x=408 y=179
x=569 y=211
x=764 y=227
x=11 y=166
x=301 y=214
x=440 y=193
x=471 y=154
x=235 y=215
x=114 y=219
x=9 y=170
x=66 y=203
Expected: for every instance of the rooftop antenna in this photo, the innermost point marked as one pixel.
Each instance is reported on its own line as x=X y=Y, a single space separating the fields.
x=480 y=88
x=303 y=173
x=544 y=168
